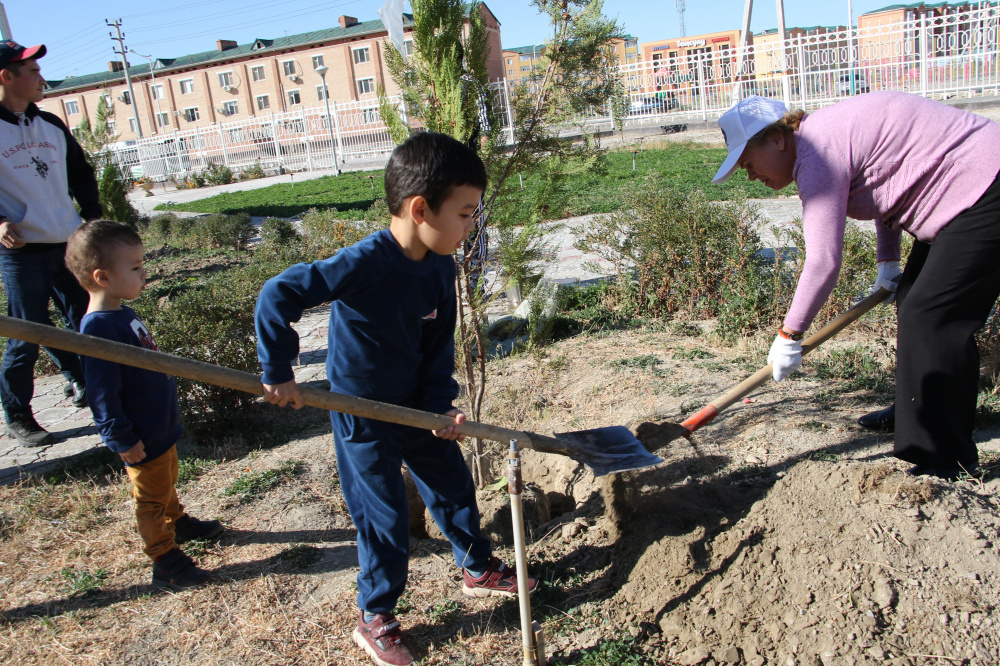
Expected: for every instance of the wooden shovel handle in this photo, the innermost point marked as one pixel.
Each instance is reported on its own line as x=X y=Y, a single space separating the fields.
x=119 y=352
x=755 y=380
x=809 y=344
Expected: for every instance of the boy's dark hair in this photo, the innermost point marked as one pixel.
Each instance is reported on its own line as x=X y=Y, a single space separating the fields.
x=15 y=66
x=430 y=165
x=92 y=246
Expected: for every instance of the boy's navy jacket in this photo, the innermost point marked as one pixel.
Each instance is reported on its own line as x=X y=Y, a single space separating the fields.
x=41 y=167
x=392 y=323
x=129 y=404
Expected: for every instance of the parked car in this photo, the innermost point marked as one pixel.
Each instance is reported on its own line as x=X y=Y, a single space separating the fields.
x=860 y=84
x=649 y=106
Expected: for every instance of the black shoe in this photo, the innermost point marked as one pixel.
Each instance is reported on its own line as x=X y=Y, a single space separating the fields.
x=884 y=420
x=187 y=529
x=68 y=389
x=79 y=393
x=950 y=473
x=25 y=429
x=176 y=571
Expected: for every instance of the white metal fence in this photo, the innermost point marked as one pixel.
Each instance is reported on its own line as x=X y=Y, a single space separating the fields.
x=939 y=57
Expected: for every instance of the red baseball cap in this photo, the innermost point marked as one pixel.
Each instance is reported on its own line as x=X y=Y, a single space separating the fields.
x=11 y=51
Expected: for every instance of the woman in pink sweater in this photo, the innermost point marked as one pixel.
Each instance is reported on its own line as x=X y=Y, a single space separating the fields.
x=910 y=164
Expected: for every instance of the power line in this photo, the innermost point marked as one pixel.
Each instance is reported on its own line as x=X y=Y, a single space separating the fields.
x=313 y=9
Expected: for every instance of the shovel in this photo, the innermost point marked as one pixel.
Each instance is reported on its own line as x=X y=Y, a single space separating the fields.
x=657 y=435
x=603 y=450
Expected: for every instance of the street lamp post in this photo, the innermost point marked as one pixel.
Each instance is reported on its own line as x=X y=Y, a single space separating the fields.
x=321 y=70
x=152 y=88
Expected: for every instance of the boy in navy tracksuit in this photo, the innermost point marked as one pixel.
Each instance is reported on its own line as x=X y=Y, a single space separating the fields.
x=391 y=338
x=135 y=410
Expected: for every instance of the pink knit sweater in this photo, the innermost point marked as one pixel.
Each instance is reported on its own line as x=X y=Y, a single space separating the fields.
x=905 y=161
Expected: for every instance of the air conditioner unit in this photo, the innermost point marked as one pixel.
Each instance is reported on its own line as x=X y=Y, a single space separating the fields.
x=293 y=77
x=228 y=88
x=178 y=113
x=222 y=111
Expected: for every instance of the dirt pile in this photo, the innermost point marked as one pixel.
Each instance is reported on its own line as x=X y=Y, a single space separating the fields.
x=837 y=563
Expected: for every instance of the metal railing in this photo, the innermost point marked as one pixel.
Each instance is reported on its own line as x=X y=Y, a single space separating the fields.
x=935 y=56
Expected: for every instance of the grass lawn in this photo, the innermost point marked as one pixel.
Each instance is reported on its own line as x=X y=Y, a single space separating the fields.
x=687 y=166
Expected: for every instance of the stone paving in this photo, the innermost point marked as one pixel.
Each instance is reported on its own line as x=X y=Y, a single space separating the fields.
x=74 y=428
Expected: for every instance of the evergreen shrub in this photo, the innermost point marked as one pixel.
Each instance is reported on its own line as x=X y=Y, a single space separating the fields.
x=277 y=231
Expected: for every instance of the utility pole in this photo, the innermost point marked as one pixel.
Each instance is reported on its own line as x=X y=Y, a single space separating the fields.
x=123 y=52
x=5 y=26
x=680 y=4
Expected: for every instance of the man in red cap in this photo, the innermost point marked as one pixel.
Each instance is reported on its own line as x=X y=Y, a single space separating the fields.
x=42 y=168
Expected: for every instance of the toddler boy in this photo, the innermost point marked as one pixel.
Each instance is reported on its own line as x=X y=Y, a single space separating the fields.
x=391 y=338
x=135 y=410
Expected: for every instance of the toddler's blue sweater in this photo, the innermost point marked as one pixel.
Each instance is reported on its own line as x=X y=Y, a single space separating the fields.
x=129 y=404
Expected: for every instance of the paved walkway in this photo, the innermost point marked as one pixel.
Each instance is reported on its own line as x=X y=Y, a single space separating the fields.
x=75 y=429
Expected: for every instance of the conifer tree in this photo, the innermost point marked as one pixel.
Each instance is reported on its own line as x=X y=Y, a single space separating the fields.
x=113 y=183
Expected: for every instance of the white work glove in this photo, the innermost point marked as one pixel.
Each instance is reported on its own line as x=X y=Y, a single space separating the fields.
x=785 y=357
x=888 y=272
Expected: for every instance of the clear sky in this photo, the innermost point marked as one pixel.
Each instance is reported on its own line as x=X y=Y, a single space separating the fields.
x=78 y=42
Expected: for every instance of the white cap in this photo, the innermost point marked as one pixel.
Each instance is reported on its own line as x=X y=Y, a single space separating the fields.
x=740 y=123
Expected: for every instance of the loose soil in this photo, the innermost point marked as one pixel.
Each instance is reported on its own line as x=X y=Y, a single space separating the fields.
x=791 y=539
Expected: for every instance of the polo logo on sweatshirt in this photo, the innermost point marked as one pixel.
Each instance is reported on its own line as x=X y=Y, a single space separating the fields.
x=141 y=332
x=41 y=167
x=433 y=315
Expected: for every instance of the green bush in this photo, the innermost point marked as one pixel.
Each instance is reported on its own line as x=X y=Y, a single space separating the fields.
x=277 y=231
x=256 y=171
x=224 y=231
x=217 y=174
x=324 y=234
x=161 y=226
x=113 y=188
x=676 y=252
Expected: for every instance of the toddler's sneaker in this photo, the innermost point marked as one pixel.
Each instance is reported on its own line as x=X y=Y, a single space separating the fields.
x=499 y=580
x=176 y=571
x=187 y=529
x=382 y=639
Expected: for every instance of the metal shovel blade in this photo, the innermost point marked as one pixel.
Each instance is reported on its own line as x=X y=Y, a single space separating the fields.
x=609 y=449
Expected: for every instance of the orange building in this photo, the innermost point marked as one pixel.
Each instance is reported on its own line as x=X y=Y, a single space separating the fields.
x=242 y=81
x=519 y=61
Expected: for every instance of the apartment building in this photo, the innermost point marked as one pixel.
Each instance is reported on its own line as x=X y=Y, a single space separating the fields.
x=241 y=81
x=519 y=61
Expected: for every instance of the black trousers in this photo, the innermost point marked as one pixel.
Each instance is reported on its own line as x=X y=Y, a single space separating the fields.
x=945 y=295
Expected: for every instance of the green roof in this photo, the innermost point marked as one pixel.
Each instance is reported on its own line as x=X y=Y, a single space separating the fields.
x=537 y=48
x=258 y=46
x=917 y=5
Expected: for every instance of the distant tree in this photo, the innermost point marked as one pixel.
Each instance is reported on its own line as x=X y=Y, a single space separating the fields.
x=445 y=87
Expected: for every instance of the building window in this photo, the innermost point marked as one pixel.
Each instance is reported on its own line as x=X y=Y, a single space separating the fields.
x=407 y=47
x=156 y=91
x=191 y=114
x=294 y=98
x=230 y=108
x=109 y=101
x=263 y=102
x=362 y=55
x=510 y=61
x=131 y=125
x=510 y=72
x=289 y=67
x=526 y=68
x=225 y=79
x=257 y=73
x=72 y=108
x=630 y=56
x=163 y=119
x=369 y=116
x=317 y=61
x=187 y=86
x=124 y=98
x=366 y=86
x=111 y=126
x=525 y=57
x=321 y=93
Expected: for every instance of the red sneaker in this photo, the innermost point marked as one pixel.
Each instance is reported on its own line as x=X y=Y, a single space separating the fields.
x=382 y=639
x=498 y=581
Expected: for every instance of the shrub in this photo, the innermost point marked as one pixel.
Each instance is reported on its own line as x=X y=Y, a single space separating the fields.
x=256 y=171
x=161 y=226
x=225 y=231
x=678 y=252
x=277 y=231
x=113 y=188
x=217 y=174
x=324 y=234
